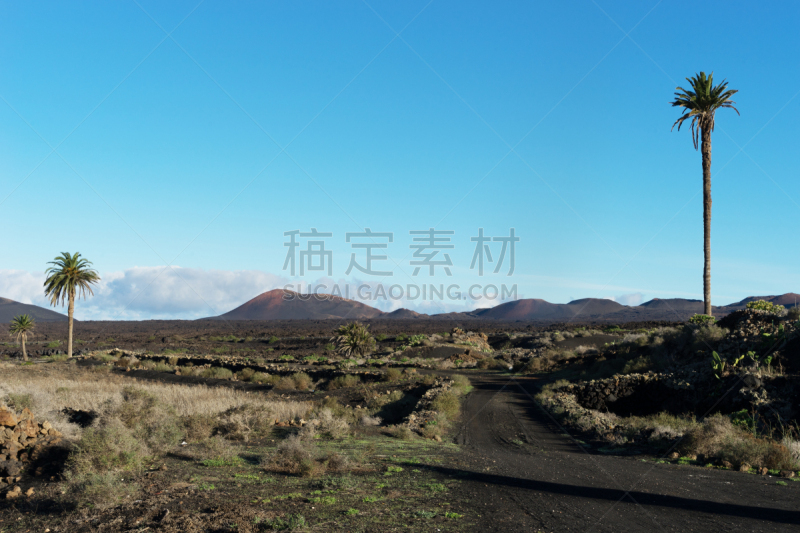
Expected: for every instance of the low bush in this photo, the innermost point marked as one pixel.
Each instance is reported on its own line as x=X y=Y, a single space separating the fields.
x=245 y=422
x=763 y=305
x=151 y=421
x=303 y=457
x=297 y=381
x=246 y=374
x=343 y=382
x=401 y=432
x=448 y=404
x=393 y=374
x=112 y=448
x=709 y=336
x=216 y=372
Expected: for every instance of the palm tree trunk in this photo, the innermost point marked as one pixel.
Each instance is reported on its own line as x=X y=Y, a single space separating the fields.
x=706 y=151
x=24 y=353
x=70 y=311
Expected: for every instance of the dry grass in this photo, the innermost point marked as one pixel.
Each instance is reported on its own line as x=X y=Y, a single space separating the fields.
x=50 y=394
x=717 y=437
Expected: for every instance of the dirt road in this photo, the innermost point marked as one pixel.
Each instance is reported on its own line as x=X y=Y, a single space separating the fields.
x=524 y=474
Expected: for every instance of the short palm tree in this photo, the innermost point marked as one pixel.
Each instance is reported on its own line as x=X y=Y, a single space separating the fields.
x=22 y=326
x=700 y=103
x=353 y=339
x=69 y=275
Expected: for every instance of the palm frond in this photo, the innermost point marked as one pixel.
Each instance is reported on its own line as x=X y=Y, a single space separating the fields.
x=701 y=101
x=70 y=275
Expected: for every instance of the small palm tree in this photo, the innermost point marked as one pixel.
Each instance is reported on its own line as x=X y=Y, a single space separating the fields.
x=700 y=103
x=22 y=326
x=69 y=275
x=353 y=339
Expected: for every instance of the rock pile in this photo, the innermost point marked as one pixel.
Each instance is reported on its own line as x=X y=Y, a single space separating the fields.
x=23 y=442
x=423 y=412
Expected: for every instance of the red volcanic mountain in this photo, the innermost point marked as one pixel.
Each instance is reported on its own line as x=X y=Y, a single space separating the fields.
x=527 y=309
x=280 y=304
x=403 y=314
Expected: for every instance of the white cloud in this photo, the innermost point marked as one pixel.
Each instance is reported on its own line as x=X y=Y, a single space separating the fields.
x=629 y=299
x=152 y=292
x=142 y=293
x=23 y=286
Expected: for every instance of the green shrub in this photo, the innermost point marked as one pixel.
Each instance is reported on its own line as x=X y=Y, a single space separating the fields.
x=763 y=305
x=447 y=403
x=217 y=372
x=107 y=449
x=353 y=339
x=273 y=339
x=245 y=374
x=709 y=335
x=150 y=420
x=461 y=384
x=702 y=320
x=287 y=523
x=20 y=401
x=393 y=374
x=260 y=377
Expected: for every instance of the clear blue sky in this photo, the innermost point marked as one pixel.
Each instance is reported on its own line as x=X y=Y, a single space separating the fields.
x=162 y=142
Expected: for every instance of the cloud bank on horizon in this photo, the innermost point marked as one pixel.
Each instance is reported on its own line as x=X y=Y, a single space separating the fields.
x=142 y=293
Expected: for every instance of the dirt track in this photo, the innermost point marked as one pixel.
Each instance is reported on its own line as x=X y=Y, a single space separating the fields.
x=546 y=481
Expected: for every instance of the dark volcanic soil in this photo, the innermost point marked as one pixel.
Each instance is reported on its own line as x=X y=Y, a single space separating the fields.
x=526 y=474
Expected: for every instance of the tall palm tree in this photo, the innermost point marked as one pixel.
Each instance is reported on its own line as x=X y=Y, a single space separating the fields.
x=21 y=327
x=69 y=275
x=700 y=103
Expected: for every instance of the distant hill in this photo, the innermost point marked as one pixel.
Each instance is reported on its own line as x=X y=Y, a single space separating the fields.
x=9 y=309
x=594 y=307
x=279 y=304
x=790 y=299
x=536 y=309
x=526 y=309
x=403 y=314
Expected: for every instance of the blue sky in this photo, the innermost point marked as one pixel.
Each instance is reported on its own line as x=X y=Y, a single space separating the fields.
x=199 y=149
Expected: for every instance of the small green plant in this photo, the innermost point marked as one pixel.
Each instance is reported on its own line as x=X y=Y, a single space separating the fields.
x=353 y=339
x=286 y=357
x=287 y=523
x=324 y=500
x=53 y=344
x=380 y=337
x=702 y=320
x=718 y=365
x=425 y=514
x=206 y=486
x=763 y=305
x=452 y=516
x=415 y=340
x=435 y=487
x=781 y=483
x=330 y=347
x=273 y=339
x=371 y=499
x=351 y=512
